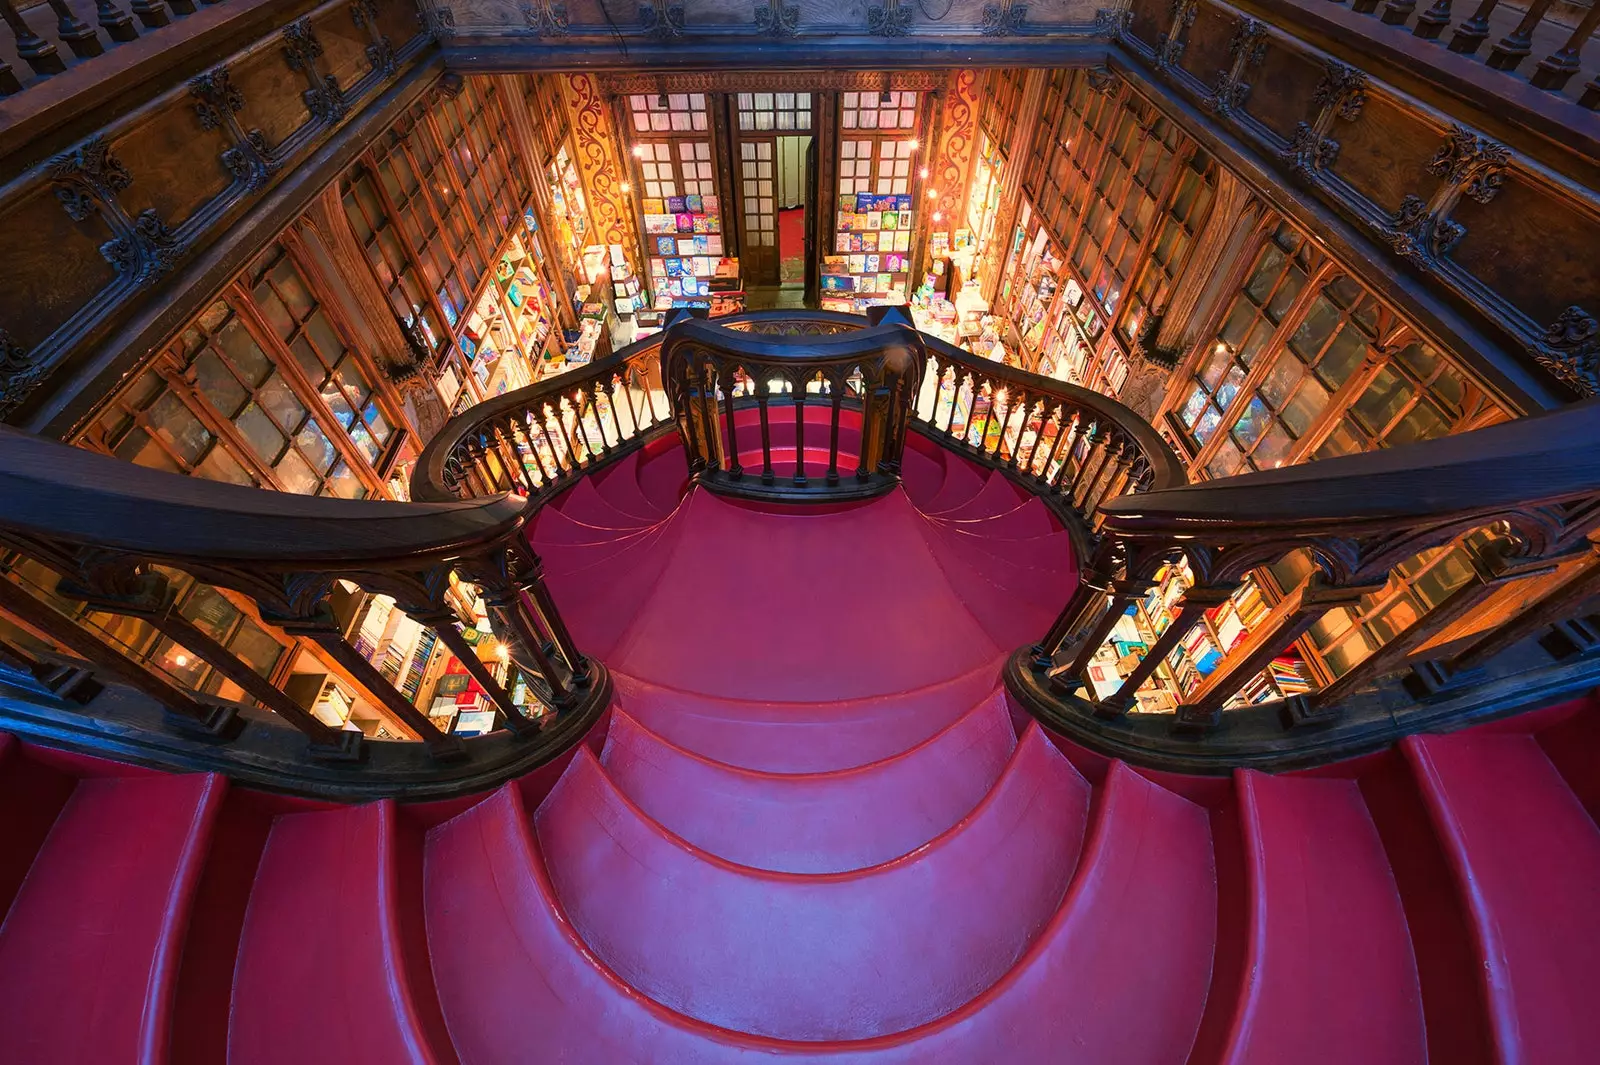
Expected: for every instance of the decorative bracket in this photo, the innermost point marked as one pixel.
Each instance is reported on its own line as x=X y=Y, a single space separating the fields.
x=777 y=19
x=217 y=103
x=380 y=52
x=20 y=373
x=1248 y=49
x=663 y=21
x=546 y=18
x=1112 y=24
x=301 y=50
x=439 y=21
x=891 y=19
x=1341 y=94
x=1422 y=231
x=1570 y=349
x=87 y=180
x=1004 y=18
x=1101 y=80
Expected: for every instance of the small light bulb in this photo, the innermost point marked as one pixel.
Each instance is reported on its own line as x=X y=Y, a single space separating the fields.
x=938 y=216
x=627 y=186
x=913 y=143
x=924 y=173
x=933 y=194
x=638 y=149
x=180 y=660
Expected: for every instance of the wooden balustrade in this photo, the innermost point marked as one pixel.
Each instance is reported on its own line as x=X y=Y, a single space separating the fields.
x=1555 y=67
x=103 y=526
x=38 y=29
x=711 y=372
x=1535 y=482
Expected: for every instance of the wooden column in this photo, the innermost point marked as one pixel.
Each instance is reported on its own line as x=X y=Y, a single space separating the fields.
x=1196 y=601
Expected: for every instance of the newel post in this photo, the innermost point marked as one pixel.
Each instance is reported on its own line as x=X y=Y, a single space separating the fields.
x=502 y=577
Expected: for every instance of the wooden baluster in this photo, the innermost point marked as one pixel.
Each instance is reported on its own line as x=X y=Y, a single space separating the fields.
x=1432 y=22
x=1396 y=12
x=1517 y=44
x=1093 y=458
x=152 y=13
x=799 y=432
x=1364 y=7
x=76 y=33
x=1473 y=32
x=982 y=446
x=117 y=23
x=473 y=471
x=1115 y=481
x=1591 y=94
x=54 y=627
x=33 y=49
x=442 y=747
x=1492 y=568
x=837 y=388
x=1047 y=415
x=1287 y=622
x=1065 y=424
x=558 y=455
x=1026 y=413
x=955 y=402
x=1196 y=601
x=735 y=470
x=1556 y=69
x=444 y=625
x=506 y=448
x=9 y=82
x=497 y=576
x=1557 y=604
x=18 y=669
x=580 y=432
x=1124 y=590
x=1093 y=584
x=534 y=586
x=519 y=427
x=763 y=388
x=182 y=7
x=610 y=388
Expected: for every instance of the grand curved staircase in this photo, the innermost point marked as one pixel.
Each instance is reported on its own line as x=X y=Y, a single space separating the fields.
x=816 y=829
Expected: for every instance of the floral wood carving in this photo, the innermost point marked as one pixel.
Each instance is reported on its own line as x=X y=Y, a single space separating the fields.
x=1570 y=349
x=1422 y=231
x=1101 y=80
x=663 y=21
x=890 y=19
x=1004 y=18
x=546 y=18
x=1112 y=24
x=380 y=52
x=1340 y=95
x=302 y=50
x=217 y=103
x=439 y=21
x=1248 y=49
x=1169 y=48
x=777 y=19
x=20 y=373
x=87 y=180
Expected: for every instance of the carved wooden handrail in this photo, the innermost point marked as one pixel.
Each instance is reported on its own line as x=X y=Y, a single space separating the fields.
x=711 y=372
x=1535 y=481
x=104 y=526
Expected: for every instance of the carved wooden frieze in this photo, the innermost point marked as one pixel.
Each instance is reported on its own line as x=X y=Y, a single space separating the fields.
x=957 y=138
x=662 y=20
x=1570 y=349
x=546 y=18
x=1004 y=18
x=1246 y=50
x=302 y=51
x=20 y=373
x=1422 y=231
x=1169 y=48
x=380 y=52
x=760 y=81
x=1340 y=95
x=217 y=105
x=889 y=19
x=87 y=180
x=777 y=19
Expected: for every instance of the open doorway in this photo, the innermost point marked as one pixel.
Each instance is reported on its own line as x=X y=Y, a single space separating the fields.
x=793 y=210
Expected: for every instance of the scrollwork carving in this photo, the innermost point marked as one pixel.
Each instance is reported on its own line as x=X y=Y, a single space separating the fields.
x=302 y=51
x=1169 y=48
x=1248 y=49
x=439 y=21
x=1343 y=88
x=87 y=180
x=890 y=19
x=1101 y=80
x=663 y=21
x=215 y=96
x=1474 y=164
x=1422 y=231
x=1004 y=18
x=1112 y=24
x=217 y=105
x=777 y=19
x=545 y=18
x=20 y=373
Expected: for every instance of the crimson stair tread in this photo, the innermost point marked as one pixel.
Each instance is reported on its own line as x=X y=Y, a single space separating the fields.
x=819 y=822
x=553 y=529
x=962 y=482
x=782 y=737
x=997 y=496
x=322 y=974
x=1028 y=519
x=854 y=588
x=89 y=951
x=663 y=478
x=1526 y=858
x=598 y=603
x=584 y=503
x=921 y=475
x=32 y=796
x=619 y=486
x=825 y=957
x=1324 y=914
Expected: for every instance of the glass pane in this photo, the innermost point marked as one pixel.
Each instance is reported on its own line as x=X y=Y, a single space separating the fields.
x=210 y=611
x=1383 y=399
x=1230 y=387
x=1282 y=299
x=1279 y=385
x=245 y=353
x=363 y=440
x=1267 y=271
x=1273 y=451
x=1252 y=423
x=344 y=483
x=1308 y=403
x=179 y=428
x=316 y=446
x=259 y=432
x=256 y=647
x=1314 y=331
x=293 y=290
x=273 y=310
x=218 y=385
x=281 y=402
x=220 y=465
x=1346 y=353
x=295 y=474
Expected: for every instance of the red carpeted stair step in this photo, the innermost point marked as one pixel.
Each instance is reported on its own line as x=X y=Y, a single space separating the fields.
x=553 y=529
x=997 y=496
x=921 y=475
x=584 y=503
x=89 y=950
x=843 y=956
x=1526 y=859
x=323 y=972
x=599 y=601
x=962 y=482
x=780 y=737
x=1572 y=743
x=32 y=795
x=619 y=486
x=1023 y=521
x=816 y=822
x=1324 y=912
x=663 y=476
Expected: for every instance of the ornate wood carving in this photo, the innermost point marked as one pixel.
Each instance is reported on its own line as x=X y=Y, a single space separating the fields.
x=596 y=145
x=664 y=20
x=217 y=105
x=1340 y=95
x=1101 y=80
x=1169 y=49
x=1004 y=18
x=87 y=180
x=777 y=19
x=546 y=18
x=889 y=19
x=958 y=136
x=380 y=52
x=1570 y=349
x=1247 y=50
x=439 y=21
x=302 y=51
x=1422 y=231
x=759 y=81
x=1112 y=23
x=20 y=373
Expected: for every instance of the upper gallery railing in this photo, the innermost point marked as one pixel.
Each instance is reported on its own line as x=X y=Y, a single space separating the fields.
x=1534 y=482
x=111 y=531
x=47 y=37
x=711 y=373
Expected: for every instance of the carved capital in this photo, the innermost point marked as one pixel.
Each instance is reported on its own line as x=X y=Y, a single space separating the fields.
x=439 y=21
x=1342 y=88
x=777 y=19
x=1473 y=164
x=545 y=18
x=215 y=97
x=1112 y=24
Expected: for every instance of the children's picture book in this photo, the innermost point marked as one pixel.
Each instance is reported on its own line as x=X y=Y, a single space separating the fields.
x=694 y=204
x=685 y=223
x=869 y=240
x=686 y=246
x=655 y=207
x=666 y=246
x=712 y=204
x=676 y=204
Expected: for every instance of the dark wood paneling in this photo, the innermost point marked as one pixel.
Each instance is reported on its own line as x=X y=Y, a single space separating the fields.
x=345 y=47
x=53 y=265
x=1281 y=89
x=1206 y=57
x=1150 y=20
x=1539 y=252
x=179 y=165
x=1383 y=155
x=271 y=91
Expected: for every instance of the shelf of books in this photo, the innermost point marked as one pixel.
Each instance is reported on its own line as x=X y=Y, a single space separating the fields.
x=684 y=238
x=871 y=263
x=1032 y=299
x=510 y=338
x=1198 y=655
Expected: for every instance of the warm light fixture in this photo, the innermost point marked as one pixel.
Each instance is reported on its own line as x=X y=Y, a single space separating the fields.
x=638 y=150
x=913 y=143
x=627 y=186
x=924 y=173
x=180 y=660
x=933 y=194
x=938 y=216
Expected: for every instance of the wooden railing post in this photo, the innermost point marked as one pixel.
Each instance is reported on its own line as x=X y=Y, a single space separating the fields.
x=18 y=669
x=1196 y=601
x=1094 y=582
x=1556 y=69
x=499 y=576
x=1557 y=604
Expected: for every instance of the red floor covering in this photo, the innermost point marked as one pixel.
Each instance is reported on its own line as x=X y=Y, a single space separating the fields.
x=815 y=830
